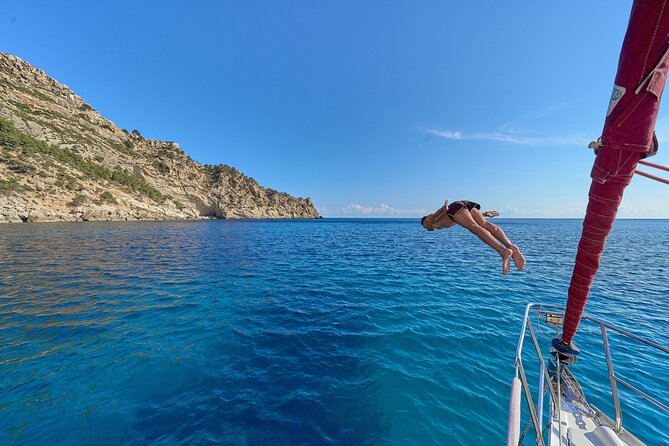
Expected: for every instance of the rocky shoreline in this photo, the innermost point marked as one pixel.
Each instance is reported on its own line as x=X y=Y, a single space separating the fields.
x=60 y=160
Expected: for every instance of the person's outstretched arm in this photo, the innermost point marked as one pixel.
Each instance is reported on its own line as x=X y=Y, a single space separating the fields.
x=440 y=212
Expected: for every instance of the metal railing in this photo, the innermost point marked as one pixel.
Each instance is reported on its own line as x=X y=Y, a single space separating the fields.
x=555 y=310
x=615 y=379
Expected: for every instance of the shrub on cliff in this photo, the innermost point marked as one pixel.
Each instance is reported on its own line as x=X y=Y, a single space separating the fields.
x=133 y=183
x=161 y=167
x=71 y=183
x=107 y=197
x=10 y=185
x=79 y=200
x=18 y=166
x=10 y=137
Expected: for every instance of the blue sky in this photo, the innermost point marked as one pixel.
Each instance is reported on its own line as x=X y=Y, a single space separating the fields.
x=368 y=107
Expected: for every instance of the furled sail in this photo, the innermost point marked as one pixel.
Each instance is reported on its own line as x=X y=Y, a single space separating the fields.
x=628 y=136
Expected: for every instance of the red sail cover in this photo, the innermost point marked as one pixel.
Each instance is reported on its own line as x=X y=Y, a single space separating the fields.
x=627 y=137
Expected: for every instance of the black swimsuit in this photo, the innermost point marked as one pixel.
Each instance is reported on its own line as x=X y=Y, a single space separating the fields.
x=459 y=205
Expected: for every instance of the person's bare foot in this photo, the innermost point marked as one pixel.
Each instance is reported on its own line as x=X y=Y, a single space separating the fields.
x=518 y=258
x=506 y=261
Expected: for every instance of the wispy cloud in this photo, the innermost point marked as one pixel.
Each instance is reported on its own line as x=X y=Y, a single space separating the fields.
x=508 y=135
x=515 y=132
x=383 y=210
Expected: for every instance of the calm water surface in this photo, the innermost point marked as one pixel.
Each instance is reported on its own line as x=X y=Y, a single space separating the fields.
x=300 y=332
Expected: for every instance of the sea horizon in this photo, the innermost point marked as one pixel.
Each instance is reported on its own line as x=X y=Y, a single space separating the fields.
x=204 y=219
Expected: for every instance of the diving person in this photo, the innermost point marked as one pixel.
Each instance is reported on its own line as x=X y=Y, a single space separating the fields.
x=466 y=214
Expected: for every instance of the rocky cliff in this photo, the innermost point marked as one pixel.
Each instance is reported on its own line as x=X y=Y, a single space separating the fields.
x=60 y=160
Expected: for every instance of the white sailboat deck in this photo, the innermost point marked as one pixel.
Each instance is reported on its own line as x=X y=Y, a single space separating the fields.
x=580 y=429
x=573 y=421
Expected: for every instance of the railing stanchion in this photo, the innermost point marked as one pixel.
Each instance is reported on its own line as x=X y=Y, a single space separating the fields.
x=530 y=405
x=542 y=362
x=612 y=379
x=540 y=398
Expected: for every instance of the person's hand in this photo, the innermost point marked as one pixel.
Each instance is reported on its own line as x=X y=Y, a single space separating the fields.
x=490 y=214
x=441 y=211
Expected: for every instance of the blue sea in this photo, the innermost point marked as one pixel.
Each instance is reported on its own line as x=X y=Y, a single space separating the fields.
x=324 y=332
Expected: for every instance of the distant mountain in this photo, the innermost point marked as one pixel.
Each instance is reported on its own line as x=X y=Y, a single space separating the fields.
x=60 y=160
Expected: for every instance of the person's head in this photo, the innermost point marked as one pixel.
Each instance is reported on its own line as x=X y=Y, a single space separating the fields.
x=426 y=222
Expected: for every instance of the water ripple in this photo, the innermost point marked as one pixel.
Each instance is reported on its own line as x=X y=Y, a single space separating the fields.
x=331 y=332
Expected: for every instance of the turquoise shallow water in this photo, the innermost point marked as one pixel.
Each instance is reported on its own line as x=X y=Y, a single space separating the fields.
x=300 y=332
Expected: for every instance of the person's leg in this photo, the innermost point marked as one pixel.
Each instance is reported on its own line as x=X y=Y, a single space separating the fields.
x=498 y=233
x=465 y=219
x=495 y=230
